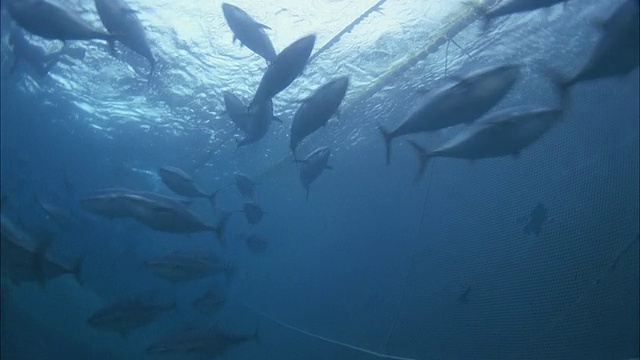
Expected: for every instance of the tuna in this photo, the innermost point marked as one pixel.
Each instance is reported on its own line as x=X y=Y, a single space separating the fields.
x=257 y=244
x=252 y=212
x=462 y=100
x=210 y=343
x=24 y=259
x=250 y=32
x=503 y=133
x=286 y=67
x=172 y=219
x=245 y=185
x=112 y=203
x=182 y=184
x=187 y=266
x=514 y=7
x=237 y=111
x=120 y=20
x=617 y=50
x=211 y=302
x=52 y=21
x=260 y=115
x=34 y=55
x=124 y=316
x=313 y=165
x=317 y=109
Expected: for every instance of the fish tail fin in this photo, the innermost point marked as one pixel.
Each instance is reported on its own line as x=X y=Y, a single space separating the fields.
x=386 y=135
x=221 y=227
x=423 y=158
x=76 y=270
x=212 y=198
x=229 y=270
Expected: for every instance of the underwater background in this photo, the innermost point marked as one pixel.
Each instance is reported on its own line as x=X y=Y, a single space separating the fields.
x=527 y=257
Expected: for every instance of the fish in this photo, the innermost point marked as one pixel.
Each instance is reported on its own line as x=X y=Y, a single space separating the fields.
x=616 y=52
x=462 y=99
x=250 y=32
x=259 y=118
x=257 y=243
x=52 y=21
x=317 y=109
x=511 y=7
x=313 y=165
x=112 y=203
x=503 y=133
x=25 y=259
x=124 y=316
x=287 y=66
x=122 y=21
x=210 y=302
x=182 y=184
x=208 y=343
x=21 y=49
x=252 y=212
x=237 y=111
x=172 y=219
x=245 y=185
x=188 y=266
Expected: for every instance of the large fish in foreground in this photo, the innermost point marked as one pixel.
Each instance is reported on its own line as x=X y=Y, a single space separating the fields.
x=463 y=99
x=317 y=109
x=121 y=20
x=187 y=266
x=125 y=316
x=313 y=165
x=503 y=133
x=205 y=344
x=25 y=260
x=617 y=50
x=52 y=21
x=250 y=32
x=287 y=66
x=182 y=184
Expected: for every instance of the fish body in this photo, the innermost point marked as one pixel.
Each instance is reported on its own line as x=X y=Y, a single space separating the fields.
x=237 y=111
x=52 y=21
x=245 y=185
x=463 y=99
x=313 y=165
x=187 y=266
x=503 y=133
x=25 y=260
x=250 y=32
x=124 y=316
x=252 y=212
x=257 y=244
x=260 y=115
x=210 y=302
x=112 y=203
x=122 y=21
x=209 y=343
x=617 y=51
x=316 y=110
x=182 y=184
x=286 y=67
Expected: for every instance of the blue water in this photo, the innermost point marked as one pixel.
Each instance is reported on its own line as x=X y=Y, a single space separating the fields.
x=370 y=260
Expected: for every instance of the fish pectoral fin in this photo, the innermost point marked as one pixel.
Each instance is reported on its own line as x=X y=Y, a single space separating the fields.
x=260 y=25
x=329 y=167
x=235 y=38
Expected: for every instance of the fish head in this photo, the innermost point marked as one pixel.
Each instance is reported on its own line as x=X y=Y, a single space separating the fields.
x=300 y=48
x=231 y=11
